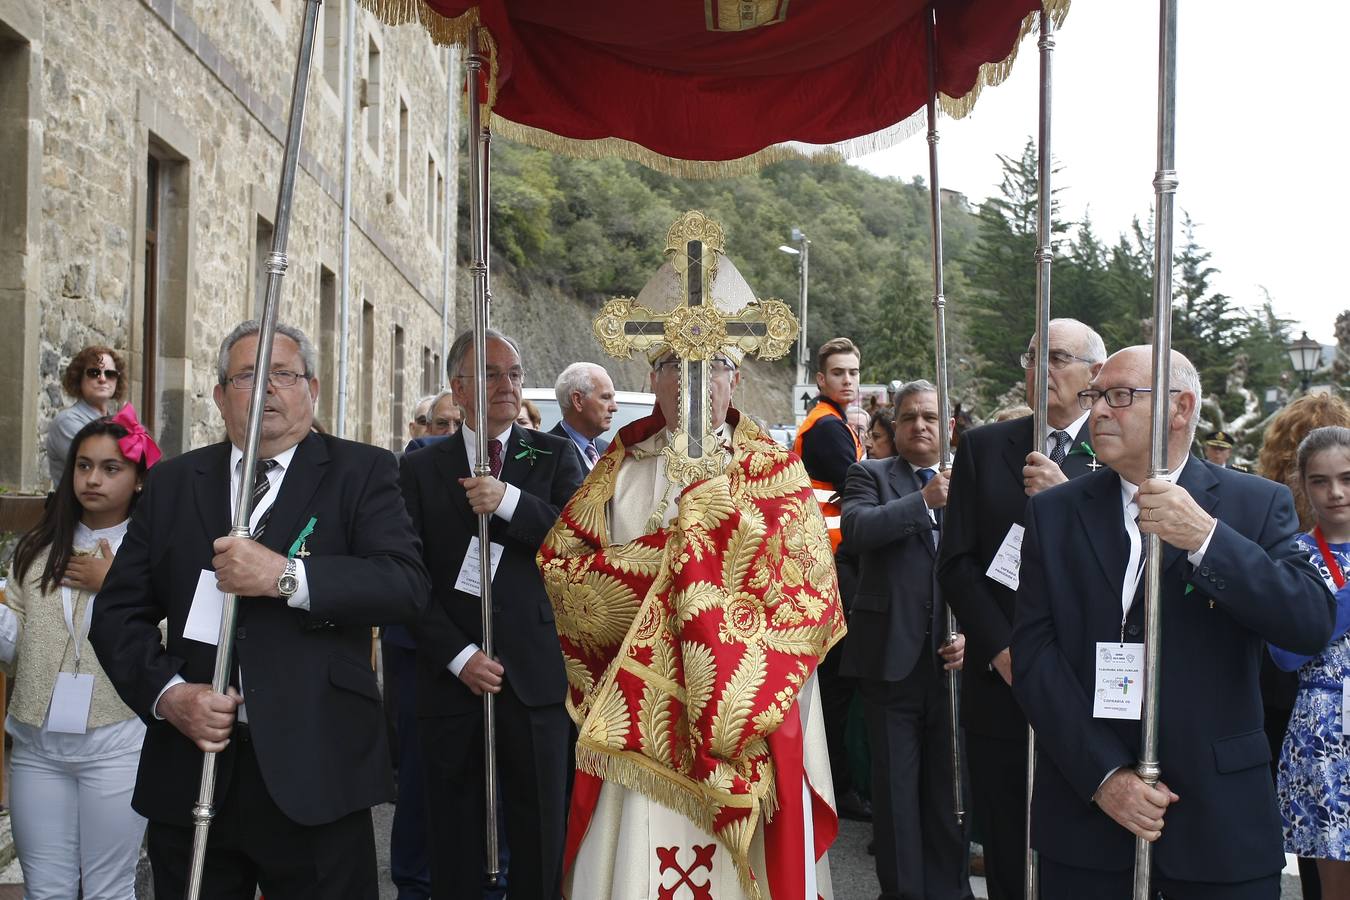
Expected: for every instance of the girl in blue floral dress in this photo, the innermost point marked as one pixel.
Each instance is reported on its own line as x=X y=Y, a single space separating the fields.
x=1314 y=768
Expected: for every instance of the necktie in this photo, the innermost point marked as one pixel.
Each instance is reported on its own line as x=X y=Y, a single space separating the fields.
x=925 y=476
x=1061 y=448
x=592 y=454
x=495 y=456
x=261 y=485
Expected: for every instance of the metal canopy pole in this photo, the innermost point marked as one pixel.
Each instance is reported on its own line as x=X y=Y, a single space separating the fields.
x=944 y=412
x=203 y=811
x=1045 y=255
x=1164 y=187
x=479 y=143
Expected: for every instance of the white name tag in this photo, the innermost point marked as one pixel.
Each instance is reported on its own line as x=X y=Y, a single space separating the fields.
x=203 y=621
x=1007 y=564
x=1345 y=707
x=71 y=699
x=469 y=572
x=1119 y=680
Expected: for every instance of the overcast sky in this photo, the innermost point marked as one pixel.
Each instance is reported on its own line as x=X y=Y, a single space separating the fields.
x=1260 y=149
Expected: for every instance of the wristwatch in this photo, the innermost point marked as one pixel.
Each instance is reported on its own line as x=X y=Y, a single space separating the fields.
x=288 y=583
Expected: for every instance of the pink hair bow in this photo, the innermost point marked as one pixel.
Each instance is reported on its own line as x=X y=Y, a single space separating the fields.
x=138 y=444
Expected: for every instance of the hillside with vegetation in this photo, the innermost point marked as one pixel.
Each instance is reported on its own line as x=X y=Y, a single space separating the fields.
x=568 y=234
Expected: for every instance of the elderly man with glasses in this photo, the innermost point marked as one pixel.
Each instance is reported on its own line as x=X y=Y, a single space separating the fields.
x=997 y=467
x=1233 y=578
x=532 y=475
x=331 y=552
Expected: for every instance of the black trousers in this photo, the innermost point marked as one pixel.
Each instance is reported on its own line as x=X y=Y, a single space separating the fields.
x=836 y=695
x=922 y=853
x=253 y=845
x=1060 y=882
x=532 y=770
x=998 y=790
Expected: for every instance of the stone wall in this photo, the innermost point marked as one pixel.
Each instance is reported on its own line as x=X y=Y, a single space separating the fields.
x=205 y=88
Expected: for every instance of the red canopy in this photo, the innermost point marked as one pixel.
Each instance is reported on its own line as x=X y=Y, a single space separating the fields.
x=723 y=79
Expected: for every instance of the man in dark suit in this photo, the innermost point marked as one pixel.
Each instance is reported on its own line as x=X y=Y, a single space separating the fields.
x=301 y=732
x=1233 y=578
x=586 y=399
x=897 y=650
x=996 y=468
x=534 y=475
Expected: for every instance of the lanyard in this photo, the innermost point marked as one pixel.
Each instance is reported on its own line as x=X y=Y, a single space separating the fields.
x=1332 y=566
x=68 y=607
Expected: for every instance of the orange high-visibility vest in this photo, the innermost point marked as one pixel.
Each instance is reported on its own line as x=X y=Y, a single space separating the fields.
x=824 y=490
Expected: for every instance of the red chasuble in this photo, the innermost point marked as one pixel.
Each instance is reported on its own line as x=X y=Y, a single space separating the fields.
x=686 y=648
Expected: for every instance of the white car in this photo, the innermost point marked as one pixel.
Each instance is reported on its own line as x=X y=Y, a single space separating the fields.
x=633 y=405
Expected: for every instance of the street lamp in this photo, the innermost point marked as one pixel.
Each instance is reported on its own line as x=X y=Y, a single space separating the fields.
x=803 y=251
x=1305 y=355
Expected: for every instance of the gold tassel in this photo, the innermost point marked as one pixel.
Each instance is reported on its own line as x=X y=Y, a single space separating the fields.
x=995 y=73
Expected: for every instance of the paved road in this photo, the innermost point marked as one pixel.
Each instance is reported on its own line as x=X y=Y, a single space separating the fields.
x=851 y=869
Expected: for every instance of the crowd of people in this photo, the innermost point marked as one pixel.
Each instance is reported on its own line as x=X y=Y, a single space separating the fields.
x=113 y=611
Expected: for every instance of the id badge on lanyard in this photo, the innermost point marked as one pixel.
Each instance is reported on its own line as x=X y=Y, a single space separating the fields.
x=73 y=693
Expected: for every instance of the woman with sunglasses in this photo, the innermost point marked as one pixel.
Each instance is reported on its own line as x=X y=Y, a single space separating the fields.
x=76 y=744
x=96 y=379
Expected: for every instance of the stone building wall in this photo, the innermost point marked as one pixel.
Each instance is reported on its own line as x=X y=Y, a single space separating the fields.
x=90 y=92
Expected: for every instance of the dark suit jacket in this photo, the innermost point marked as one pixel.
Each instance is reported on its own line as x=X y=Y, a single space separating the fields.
x=886 y=521
x=313 y=703
x=985 y=499
x=526 y=641
x=1253 y=584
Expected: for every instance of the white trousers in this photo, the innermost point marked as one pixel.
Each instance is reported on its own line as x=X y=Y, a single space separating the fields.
x=74 y=819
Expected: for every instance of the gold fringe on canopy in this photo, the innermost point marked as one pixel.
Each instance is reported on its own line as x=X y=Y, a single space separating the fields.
x=995 y=73
x=445 y=30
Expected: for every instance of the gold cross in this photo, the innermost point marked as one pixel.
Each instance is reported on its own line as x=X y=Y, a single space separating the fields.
x=696 y=331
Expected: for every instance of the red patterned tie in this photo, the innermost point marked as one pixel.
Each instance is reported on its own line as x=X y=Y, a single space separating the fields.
x=495 y=456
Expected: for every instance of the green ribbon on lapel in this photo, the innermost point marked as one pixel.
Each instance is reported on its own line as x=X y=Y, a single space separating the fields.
x=531 y=452
x=300 y=541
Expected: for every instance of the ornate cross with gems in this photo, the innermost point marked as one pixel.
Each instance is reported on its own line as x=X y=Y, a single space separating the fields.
x=696 y=331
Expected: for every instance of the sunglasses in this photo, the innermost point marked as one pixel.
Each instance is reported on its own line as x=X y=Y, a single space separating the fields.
x=93 y=373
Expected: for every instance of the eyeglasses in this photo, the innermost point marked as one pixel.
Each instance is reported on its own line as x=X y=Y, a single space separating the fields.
x=1059 y=359
x=515 y=376
x=1116 y=397
x=279 y=378
x=421 y=420
x=93 y=373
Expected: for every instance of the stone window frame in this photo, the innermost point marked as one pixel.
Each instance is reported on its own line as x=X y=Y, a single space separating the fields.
x=160 y=133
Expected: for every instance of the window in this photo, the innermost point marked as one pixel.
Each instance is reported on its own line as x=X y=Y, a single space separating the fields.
x=164 y=315
x=396 y=388
x=328 y=346
x=435 y=217
x=403 y=163
x=20 y=226
x=367 y=432
x=262 y=246
x=428 y=373
x=370 y=100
